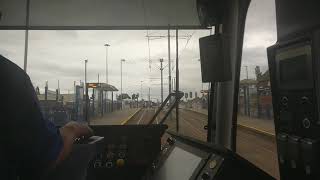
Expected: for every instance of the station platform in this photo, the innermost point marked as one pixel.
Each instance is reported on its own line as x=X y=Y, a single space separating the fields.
x=262 y=126
x=115 y=118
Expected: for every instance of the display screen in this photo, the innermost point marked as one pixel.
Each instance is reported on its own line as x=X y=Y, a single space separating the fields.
x=294 y=69
x=180 y=165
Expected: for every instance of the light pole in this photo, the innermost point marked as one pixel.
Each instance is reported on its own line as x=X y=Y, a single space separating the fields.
x=161 y=69
x=248 y=92
x=141 y=89
x=122 y=60
x=177 y=80
x=169 y=62
x=85 y=73
x=107 y=76
x=107 y=80
x=86 y=91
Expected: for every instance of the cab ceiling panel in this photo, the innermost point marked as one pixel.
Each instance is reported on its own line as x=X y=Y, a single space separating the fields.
x=99 y=14
x=13 y=13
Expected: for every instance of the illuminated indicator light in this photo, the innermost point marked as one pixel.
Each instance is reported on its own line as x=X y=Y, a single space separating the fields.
x=213 y=164
x=120 y=163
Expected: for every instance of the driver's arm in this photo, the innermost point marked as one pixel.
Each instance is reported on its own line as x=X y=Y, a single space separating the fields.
x=32 y=143
x=68 y=133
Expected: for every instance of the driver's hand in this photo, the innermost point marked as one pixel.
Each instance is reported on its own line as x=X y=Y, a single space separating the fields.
x=69 y=133
x=77 y=129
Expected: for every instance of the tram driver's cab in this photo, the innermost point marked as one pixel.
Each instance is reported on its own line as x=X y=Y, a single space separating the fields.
x=151 y=152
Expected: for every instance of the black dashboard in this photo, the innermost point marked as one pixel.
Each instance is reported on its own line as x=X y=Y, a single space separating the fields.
x=136 y=152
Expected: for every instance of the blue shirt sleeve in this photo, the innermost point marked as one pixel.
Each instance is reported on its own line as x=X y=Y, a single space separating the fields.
x=32 y=142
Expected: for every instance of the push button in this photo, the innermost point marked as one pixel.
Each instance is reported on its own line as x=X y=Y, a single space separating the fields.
x=205 y=176
x=304 y=100
x=122 y=154
x=110 y=155
x=284 y=100
x=306 y=123
x=109 y=164
x=97 y=164
x=170 y=141
x=212 y=164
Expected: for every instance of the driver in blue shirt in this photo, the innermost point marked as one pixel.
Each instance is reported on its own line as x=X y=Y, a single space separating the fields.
x=30 y=144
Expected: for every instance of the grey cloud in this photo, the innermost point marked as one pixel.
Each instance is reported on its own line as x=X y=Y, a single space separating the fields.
x=60 y=55
x=261 y=16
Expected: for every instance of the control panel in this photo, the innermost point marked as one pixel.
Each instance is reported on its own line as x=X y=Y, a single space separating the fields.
x=135 y=152
x=127 y=151
x=294 y=75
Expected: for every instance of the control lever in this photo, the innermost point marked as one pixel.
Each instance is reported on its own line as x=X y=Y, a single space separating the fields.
x=282 y=140
x=309 y=153
x=88 y=140
x=170 y=141
x=293 y=150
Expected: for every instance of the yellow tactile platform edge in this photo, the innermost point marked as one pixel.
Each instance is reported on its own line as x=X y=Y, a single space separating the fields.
x=126 y=120
x=257 y=130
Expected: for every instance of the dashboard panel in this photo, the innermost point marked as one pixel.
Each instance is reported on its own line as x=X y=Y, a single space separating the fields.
x=135 y=152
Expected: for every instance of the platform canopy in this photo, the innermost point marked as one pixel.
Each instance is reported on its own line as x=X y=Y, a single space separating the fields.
x=98 y=14
x=102 y=86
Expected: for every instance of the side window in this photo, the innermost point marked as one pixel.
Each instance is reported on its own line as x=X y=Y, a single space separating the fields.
x=12 y=45
x=255 y=130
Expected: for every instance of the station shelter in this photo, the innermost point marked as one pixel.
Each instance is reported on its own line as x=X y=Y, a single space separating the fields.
x=101 y=101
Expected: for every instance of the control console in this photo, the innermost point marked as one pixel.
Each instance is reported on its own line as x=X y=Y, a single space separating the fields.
x=127 y=151
x=135 y=152
x=295 y=81
x=141 y=152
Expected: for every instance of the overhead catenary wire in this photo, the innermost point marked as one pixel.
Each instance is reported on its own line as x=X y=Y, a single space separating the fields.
x=185 y=47
x=156 y=37
x=146 y=23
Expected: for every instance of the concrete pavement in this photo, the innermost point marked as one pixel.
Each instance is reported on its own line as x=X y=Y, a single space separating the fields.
x=264 y=126
x=115 y=118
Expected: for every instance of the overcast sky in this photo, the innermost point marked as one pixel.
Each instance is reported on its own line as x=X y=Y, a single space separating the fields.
x=60 y=55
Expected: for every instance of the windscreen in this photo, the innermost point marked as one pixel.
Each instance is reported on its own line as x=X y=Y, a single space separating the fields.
x=179 y=165
x=256 y=140
x=127 y=82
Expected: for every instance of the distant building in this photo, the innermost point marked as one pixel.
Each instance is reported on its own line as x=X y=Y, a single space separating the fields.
x=64 y=98
x=248 y=83
x=263 y=84
x=247 y=102
x=255 y=97
x=67 y=98
x=265 y=96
